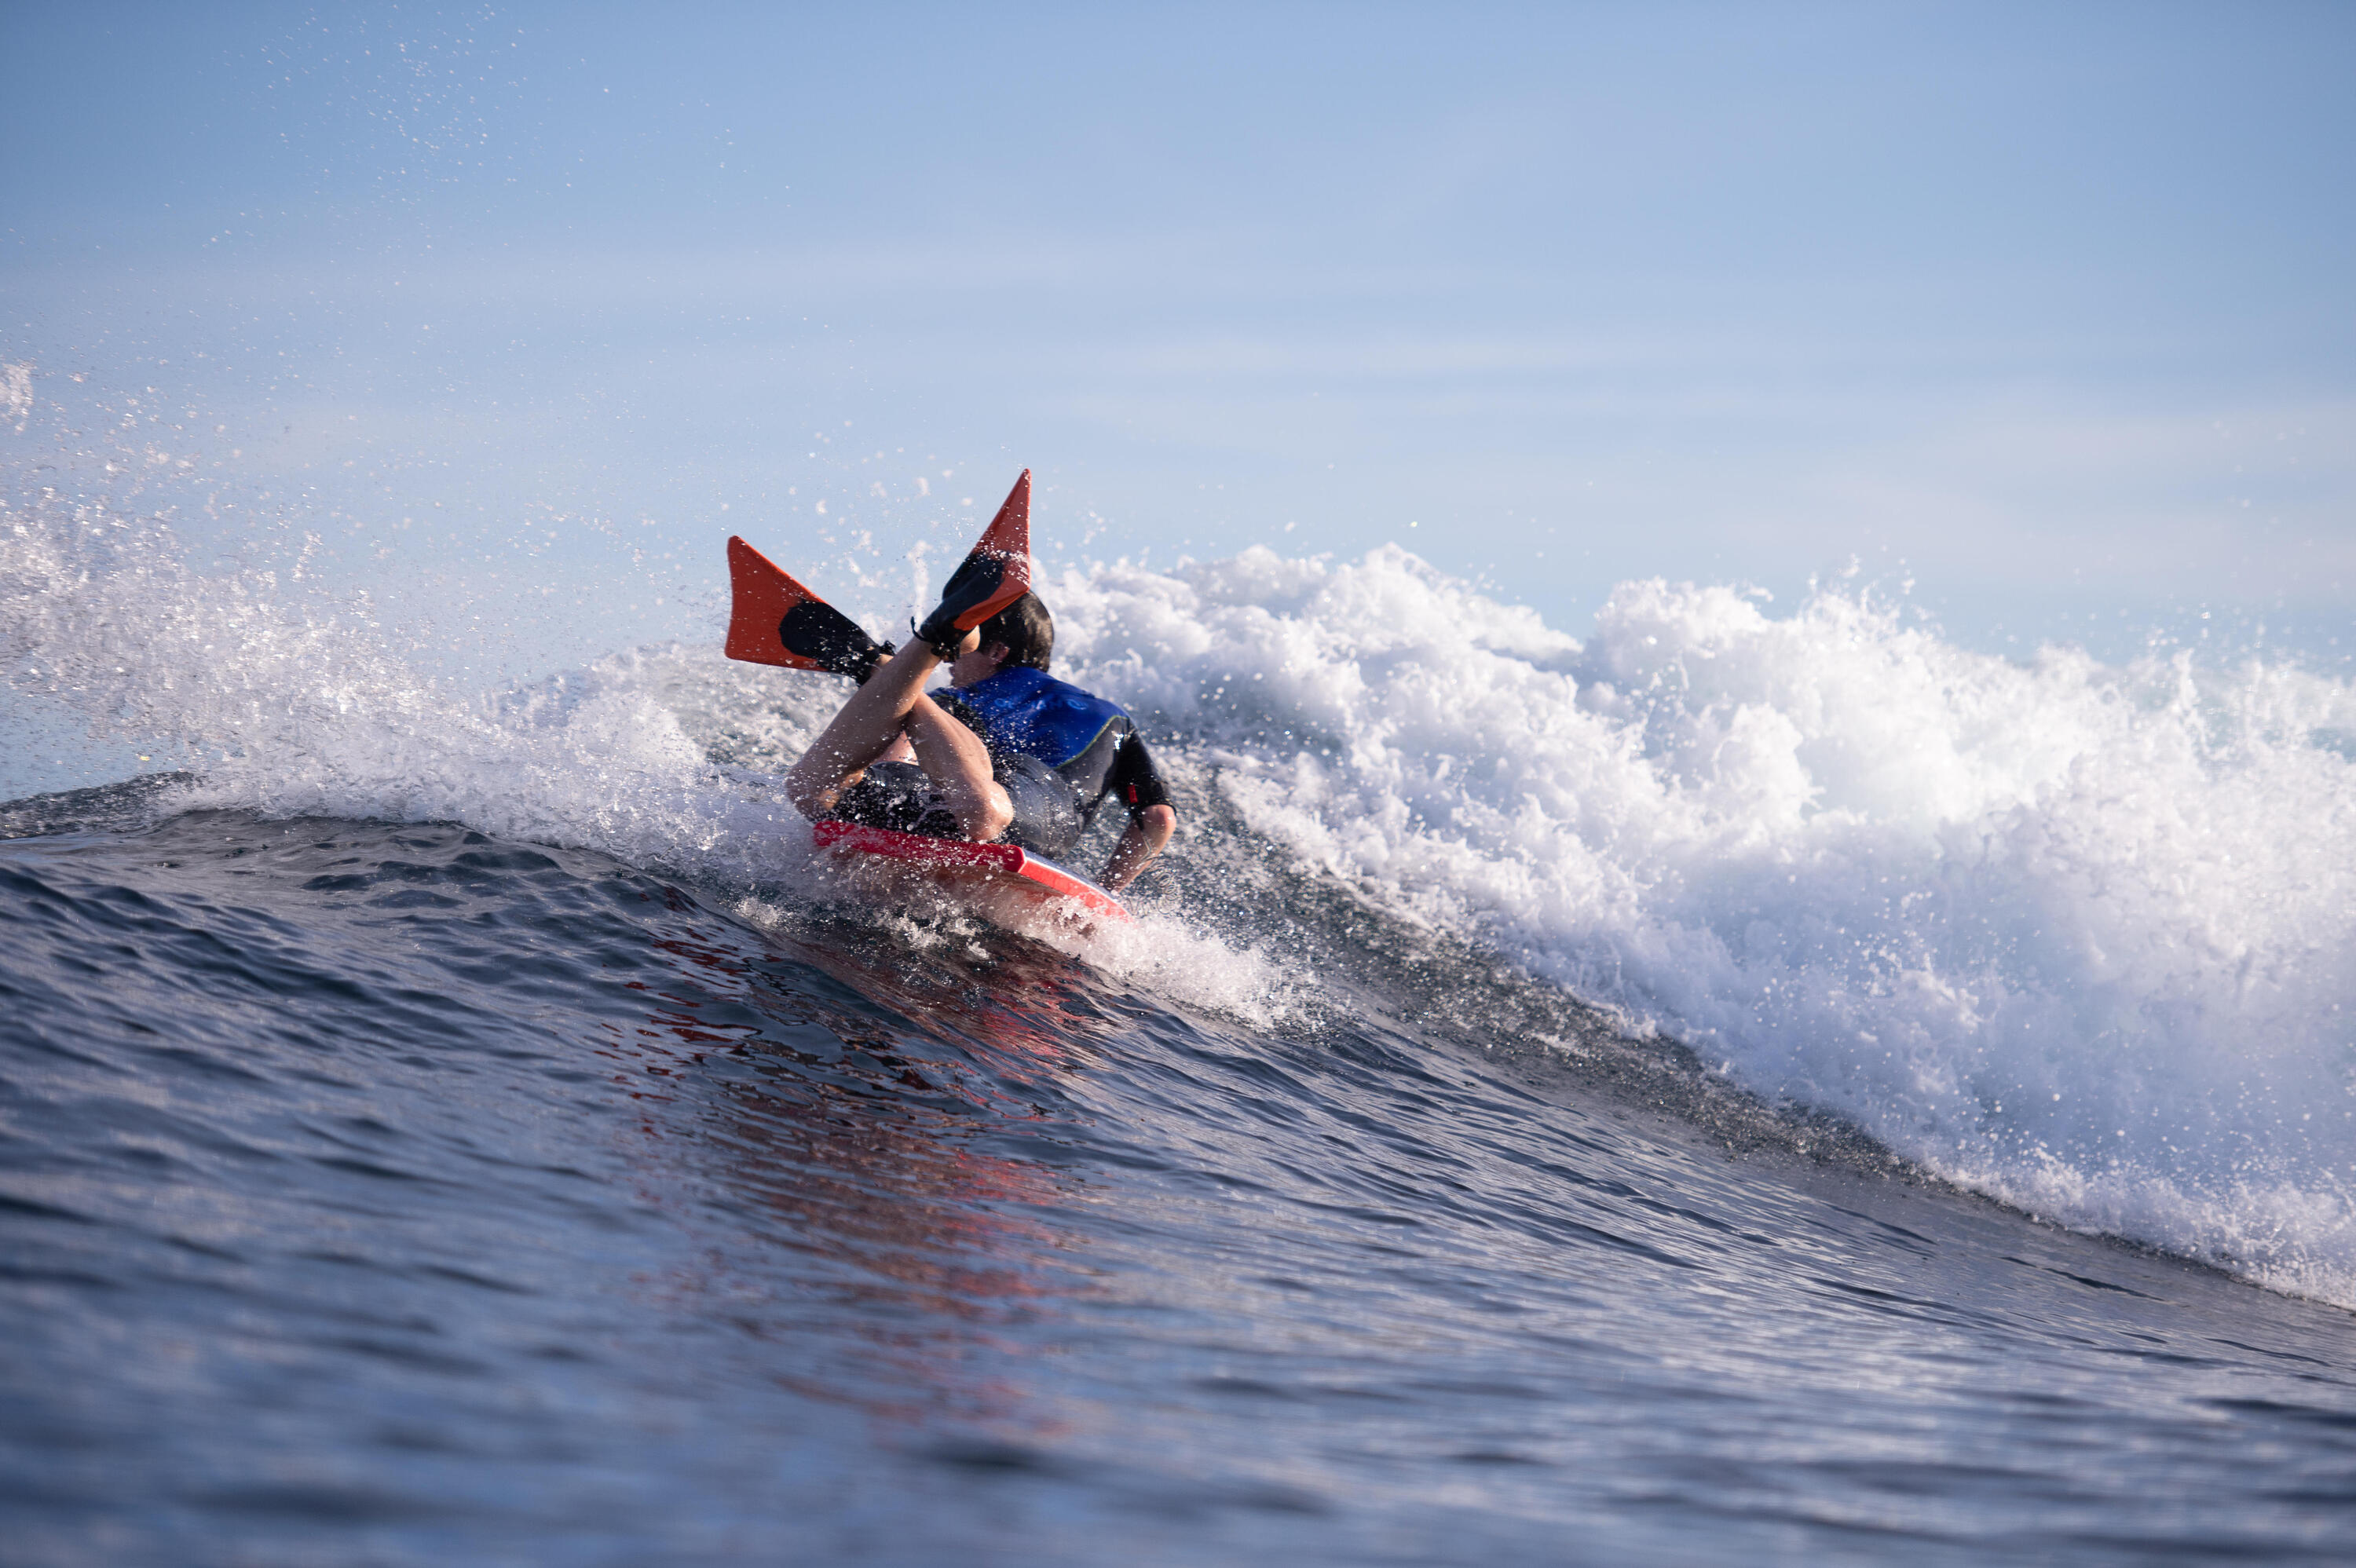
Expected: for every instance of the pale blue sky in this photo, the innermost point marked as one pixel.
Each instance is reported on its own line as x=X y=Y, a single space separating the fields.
x=2050 y=303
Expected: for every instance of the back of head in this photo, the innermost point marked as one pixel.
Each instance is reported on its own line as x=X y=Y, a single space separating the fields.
x=1027 y=630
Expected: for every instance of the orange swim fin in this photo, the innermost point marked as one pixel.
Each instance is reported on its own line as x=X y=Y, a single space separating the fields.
x=994 y=573
x=776 y=620
x=1007 y=541
x=763 y=593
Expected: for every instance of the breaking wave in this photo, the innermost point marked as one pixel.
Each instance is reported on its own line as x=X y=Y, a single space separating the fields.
x=2076 y=935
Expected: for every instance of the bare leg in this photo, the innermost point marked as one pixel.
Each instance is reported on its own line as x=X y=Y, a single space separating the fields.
x=893 y=704
x=958 y=764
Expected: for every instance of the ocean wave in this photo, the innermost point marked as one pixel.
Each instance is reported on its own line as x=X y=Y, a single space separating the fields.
x=2078 y=936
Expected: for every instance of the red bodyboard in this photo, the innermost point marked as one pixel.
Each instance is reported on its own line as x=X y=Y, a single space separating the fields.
x=762 y=593
x=1002 y=878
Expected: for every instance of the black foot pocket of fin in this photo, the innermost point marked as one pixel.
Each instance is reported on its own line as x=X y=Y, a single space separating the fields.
x=831 y=640
x=971 y=587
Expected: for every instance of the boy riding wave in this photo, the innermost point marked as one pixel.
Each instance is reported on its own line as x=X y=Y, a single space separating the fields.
x=1010 y=753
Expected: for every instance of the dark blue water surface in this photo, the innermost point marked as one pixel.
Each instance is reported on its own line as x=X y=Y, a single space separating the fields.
x=387 y=1193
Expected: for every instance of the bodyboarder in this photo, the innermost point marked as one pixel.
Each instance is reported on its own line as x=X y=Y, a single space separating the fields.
x=1010 y=753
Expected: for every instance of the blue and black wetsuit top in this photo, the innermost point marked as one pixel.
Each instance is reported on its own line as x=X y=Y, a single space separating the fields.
x=1055 y=749
x=1059 y=750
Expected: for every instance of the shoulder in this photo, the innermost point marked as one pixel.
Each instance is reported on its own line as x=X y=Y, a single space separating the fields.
x=1020 y=685
x=1068 y=692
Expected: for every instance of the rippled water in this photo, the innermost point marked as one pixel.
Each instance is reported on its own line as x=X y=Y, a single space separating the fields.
x=394 y=1193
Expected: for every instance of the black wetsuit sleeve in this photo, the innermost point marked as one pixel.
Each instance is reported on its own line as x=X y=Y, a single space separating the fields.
x=1135 y=781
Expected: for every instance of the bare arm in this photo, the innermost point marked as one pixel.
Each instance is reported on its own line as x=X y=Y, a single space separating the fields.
x=887 y=713
x=1148 y=831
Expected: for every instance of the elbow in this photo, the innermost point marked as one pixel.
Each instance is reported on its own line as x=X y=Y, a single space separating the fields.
x=988 y=816
x=810 y=796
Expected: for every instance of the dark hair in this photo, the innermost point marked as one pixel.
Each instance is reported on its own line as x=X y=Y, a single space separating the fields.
x=1026 y=629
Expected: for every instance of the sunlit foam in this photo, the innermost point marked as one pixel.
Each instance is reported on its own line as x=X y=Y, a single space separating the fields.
x=2078 y=936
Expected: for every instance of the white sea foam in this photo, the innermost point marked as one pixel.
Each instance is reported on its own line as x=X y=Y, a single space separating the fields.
x=291 y=701
x=2080 y=937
